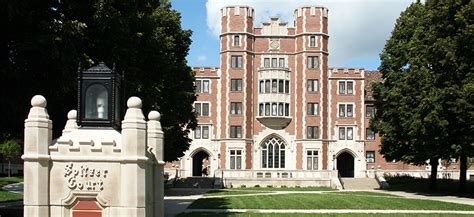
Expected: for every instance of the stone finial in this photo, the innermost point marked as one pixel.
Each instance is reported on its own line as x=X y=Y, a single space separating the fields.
x=134 y=111
x=154 y=115
x=38 y=101
x=71 y=123
x=38 y=109
x=134 y=102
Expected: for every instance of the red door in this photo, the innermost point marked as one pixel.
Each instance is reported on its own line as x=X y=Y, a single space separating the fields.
x=86 y=209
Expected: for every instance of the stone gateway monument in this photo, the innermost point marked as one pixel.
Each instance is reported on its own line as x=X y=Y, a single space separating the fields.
x=93 y=171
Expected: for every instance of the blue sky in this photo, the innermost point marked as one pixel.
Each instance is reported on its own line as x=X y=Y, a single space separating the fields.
x=358 y=29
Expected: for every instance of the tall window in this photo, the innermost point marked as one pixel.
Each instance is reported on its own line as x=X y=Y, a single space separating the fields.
x=369 y=111
x=312 y=41
x=312 y=108
x=266 y=62
x=201 y=132
x=274 y=62
x=202 y=109
x=267 y=86
x=346 y=110
x=287 y=86
x=236 y=40
x=346 y=87
x=261 y=109
x=281 y=87
x=274 y=86
x=236 y=108
x=346 y=133
x=312 y=160
x=235 y=132
x=313 y=132
x=312 y=62
x=369 y=134
x=202 y=86
x=235 y=159
x=236 y=61
x=236 y=85
x=282 y=62
x=274 y=109
x=313 y=86
x=370 y=156
x=273 y=153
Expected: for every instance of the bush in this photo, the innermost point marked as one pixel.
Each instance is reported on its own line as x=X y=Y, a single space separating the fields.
x=283 y=186
x=243 y=186
x=269 y=186
x=256 y=186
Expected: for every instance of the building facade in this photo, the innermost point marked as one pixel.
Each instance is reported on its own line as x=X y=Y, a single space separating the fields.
x=275 y=109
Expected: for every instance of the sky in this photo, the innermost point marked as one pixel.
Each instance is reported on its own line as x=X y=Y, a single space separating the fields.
x=358 y=29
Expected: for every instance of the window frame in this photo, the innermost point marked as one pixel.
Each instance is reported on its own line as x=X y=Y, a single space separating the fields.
x=235 y=132
x=199 y=84
x=312 y=41
x=311 y=159
x=367 y=130
x=367 y=115
x=312 y=132
x=236 y=85
x=236 y=108
x=236 y=61
x=236 y=40
x=367 y=158
x=235 y=165
x=313 y=85
x=313 y=109
x=313 y=62
x=199 y=108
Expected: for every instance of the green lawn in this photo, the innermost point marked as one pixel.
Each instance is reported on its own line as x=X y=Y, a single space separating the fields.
x=344 y=200
x=8 y=196
x=317 y=215
x=9 y=180
x=282 y=189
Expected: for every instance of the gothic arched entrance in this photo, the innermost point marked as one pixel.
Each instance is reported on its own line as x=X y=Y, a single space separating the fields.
x=345 y=164
x=200 y=161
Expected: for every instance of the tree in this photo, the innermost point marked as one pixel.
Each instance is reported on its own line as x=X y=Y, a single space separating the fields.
x=424 y=106
x=10 y=150
x=48 y=39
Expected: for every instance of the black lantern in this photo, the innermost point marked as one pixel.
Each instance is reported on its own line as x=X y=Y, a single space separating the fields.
x=99 y=97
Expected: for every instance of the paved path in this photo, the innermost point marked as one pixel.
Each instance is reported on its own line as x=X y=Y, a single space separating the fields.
x=450 y=199
x=16 y=188
x=177 y=200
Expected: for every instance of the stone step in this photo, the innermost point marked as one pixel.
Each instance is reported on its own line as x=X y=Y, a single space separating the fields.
x=360 y=183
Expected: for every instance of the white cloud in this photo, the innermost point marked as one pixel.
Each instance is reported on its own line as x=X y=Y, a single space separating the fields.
x=201 y=58
x=357 y=28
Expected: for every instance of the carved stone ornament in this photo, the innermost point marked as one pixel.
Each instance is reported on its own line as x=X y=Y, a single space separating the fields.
x=274 y=45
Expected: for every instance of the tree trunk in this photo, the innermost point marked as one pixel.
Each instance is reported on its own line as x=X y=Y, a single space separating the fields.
x=9 y=168
x=462 y=173
x=434 y=174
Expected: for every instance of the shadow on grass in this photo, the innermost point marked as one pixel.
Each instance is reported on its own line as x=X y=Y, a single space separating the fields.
x=214 y=203
x=446 y=187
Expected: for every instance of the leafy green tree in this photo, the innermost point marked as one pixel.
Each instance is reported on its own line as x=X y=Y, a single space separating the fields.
x=10 y=150
x=424 y=106
x=47 y=40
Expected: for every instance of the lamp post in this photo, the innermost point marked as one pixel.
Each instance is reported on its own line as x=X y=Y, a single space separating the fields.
x=98 y=97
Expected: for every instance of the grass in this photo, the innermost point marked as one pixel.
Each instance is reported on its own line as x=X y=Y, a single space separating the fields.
x=9 y=180
x=324 y=201
x=363 y=193
x=6 y=196
x=308 y=215
x=421 y=185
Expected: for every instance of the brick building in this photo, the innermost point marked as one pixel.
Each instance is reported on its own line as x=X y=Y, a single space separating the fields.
x=274 y=109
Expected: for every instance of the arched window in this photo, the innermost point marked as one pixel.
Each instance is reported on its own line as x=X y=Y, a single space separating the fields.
x=273 y=153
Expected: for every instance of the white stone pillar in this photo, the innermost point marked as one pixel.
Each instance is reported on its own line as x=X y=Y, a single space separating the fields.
x=134 y=161
x=155 y=145
x=38 y=136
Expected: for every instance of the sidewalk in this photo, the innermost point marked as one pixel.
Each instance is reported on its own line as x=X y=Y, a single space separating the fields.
x=450 y=199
